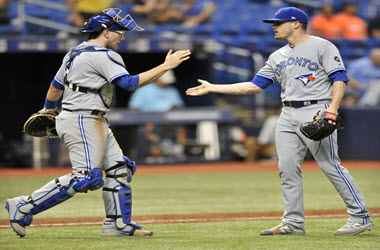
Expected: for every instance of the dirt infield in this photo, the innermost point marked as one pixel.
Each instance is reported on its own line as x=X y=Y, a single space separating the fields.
x=188 y=168
x=217 y=167
x=186 y=218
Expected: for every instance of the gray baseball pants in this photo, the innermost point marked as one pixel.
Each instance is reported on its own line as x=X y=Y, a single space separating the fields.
x=292 y=146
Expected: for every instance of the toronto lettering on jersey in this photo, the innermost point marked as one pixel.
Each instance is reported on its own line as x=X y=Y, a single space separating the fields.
x=300 y=61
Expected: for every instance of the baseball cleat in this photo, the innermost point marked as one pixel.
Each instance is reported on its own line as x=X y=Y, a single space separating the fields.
x=17 y=220
x=142 y=233
x=353 y=228
x=283 y=229
x=110 y=232
x=134 y=230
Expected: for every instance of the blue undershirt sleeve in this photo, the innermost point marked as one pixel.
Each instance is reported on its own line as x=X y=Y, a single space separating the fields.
x=261 y=82
x=339 y=76
x=127 y=82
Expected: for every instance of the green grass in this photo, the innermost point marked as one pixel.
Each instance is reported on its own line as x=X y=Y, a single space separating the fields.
x=213 y=235
x=197 y=194
x=202 y=193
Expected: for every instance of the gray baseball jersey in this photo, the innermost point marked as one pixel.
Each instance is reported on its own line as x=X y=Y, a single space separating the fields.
x=303 y=73
x=303 y=70
x=88 y=138
x=91 y=69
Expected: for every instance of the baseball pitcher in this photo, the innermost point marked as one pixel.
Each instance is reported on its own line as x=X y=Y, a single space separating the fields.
x=313 y=79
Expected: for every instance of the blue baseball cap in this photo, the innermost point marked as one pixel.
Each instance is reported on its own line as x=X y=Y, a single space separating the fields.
x=288 y=14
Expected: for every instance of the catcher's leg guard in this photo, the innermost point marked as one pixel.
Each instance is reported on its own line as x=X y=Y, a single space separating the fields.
x=122 y=195
x=91 y=182
x=117 y=197
x=63 y=191
x=53 y=193
x=22 y=209
x=118 y=218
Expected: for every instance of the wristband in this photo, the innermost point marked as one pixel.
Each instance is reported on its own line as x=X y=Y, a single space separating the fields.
x=50 y=104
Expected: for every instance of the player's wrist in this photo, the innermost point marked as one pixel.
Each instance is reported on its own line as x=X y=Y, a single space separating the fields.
x=332 y=109
x=50 y=104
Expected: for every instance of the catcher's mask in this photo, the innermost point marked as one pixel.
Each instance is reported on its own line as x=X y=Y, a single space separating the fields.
x=112 y=20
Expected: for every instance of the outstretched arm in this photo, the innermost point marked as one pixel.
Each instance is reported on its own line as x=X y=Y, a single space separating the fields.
x=242 y=88
x=172 y=60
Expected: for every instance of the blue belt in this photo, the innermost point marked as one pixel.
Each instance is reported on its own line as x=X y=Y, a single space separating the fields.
x=299 y=104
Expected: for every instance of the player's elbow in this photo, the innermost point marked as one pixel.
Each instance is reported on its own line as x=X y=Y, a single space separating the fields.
x=254 y=89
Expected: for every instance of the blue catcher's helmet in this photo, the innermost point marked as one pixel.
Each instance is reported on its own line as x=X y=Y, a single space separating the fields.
x=110 y=19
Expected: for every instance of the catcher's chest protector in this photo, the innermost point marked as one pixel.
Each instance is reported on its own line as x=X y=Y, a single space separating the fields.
x=106 y=92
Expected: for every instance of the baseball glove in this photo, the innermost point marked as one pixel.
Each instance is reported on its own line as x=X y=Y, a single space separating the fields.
x=41 y=125
x=323 y=124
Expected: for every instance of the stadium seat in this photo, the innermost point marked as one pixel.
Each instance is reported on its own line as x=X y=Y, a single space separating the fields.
x=12 y=9
x=8 y=30
x=268 y=44
x=353 y=49
x=234 y=23
x=374 y=43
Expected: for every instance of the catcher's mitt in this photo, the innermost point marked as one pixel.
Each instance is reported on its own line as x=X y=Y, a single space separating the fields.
x=320 y=127
x=41 y=125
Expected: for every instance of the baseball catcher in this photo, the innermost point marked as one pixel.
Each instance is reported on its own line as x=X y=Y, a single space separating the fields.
x=323 y=124
x=41 y=124
x=85 y=82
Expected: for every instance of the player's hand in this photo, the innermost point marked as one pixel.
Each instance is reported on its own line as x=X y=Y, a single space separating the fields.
x=334 y=111
x=202 y=89
x=172 y=60
x=49 y=111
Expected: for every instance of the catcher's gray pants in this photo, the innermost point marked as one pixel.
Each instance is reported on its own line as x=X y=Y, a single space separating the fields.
x=292 y=146
x=89 y=141
x=91 y=144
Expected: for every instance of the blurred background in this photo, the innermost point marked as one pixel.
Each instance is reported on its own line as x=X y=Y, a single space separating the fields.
x=229 y=43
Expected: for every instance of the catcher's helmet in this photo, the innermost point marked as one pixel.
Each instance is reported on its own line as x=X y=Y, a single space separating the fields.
x=110 y=19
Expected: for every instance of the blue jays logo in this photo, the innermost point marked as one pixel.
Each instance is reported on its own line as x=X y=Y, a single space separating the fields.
x=306 y=78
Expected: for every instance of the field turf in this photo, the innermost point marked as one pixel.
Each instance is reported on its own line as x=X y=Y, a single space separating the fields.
x=198 y=193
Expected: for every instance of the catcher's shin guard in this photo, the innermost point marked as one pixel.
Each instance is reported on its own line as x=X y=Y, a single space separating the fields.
x=91 y=182
x=60 y=190
x=122 y=169
x=52 y=194
x=118 y=203
x=21 y=209
x=121 y=209
x=117 y=196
